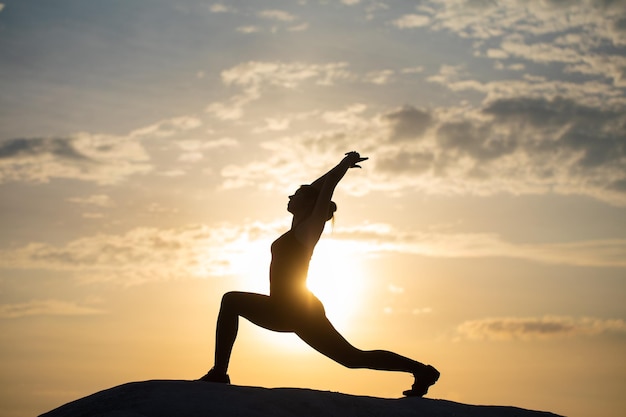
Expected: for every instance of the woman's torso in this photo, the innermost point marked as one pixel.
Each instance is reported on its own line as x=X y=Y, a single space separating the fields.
x=289 y=266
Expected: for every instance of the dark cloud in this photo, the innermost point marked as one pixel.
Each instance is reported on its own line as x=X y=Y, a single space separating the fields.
x=22 y=147
x=598 y=148
x=509 y=328
x=479 y=141
x=408 y=122
x=104 y=159
x=620 y=24
x=543 y=112
x=414 y=162
x=598 y=134
x=619 y=185
x=522 y=142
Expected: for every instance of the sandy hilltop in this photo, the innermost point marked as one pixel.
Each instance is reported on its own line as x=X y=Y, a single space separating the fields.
x=190 y=398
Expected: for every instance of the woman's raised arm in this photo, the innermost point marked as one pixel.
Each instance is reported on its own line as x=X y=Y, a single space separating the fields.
x=314 y=225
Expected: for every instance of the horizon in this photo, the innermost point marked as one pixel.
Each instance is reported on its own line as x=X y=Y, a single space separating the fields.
x=147 y=152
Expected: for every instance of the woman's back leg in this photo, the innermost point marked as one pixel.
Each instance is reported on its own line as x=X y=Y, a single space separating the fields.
x=322 y=336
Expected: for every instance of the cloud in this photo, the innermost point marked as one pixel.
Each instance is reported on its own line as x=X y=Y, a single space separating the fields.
x=523 y=138
x=166 y=128
x=298 y=28
x=533 y=328
x=380 y=77
x=509 y=143
x=255 y=76
x=248 y=29
x=232 y=109
x=2 y=6
x=278 y=15
x=292 y=159
x=193 y=150
x=411 y=21
x=99 y=158
x=483 y=19
x=571 y=33
x=527 y=136
x=577 y=59
x=221 y=8
x=98 y=200
x=380 y=238
x=150 y=254
x=46 y=308
x=408 y=122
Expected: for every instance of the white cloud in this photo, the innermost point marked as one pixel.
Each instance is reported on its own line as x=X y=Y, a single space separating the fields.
x=221 y=8
x=103 y=159
x=413 y=70
x=100 y=158
x=351 y=116
x=350 y=2
x=46 y=308
x=596 y=253
x=380 y=77
x=373 y=7
x=156 y=208
x=411 y=21
x=278 y=15
x=571 y=32
x=153 y=254
x=254 y=76
x=283 y=122
x=274 y=125
x=516 y=141
x=298 y=28
x=497 y=53
x=194 y=150
x=191 y=157
x=166 y=128
x=99 y=200
x=248 y=29
x=149 y=254
x=532 y=328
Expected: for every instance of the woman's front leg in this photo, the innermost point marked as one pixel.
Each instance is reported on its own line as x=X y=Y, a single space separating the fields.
x=259 y=309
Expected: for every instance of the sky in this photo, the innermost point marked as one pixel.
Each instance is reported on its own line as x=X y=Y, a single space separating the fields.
x=148 y=149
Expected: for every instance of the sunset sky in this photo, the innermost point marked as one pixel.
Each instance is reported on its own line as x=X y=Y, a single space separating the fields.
x=148 y=147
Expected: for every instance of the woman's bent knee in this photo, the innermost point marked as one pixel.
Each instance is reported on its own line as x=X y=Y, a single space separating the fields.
x=229 y=300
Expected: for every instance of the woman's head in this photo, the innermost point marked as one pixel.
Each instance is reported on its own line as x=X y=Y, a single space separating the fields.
x=304 y=199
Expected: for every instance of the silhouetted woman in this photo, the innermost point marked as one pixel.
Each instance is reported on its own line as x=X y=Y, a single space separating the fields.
x=291 y=307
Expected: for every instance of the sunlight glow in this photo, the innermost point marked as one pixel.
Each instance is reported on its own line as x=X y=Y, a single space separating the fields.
x=337 y=279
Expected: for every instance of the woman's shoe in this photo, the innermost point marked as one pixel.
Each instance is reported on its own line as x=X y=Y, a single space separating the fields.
x=213 y=376
x=426 y=377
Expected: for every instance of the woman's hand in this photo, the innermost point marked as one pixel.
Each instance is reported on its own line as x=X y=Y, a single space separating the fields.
x=353 y=159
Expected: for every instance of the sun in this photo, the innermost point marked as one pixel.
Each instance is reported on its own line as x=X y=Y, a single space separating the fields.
x=337 y=279
x=336 y=275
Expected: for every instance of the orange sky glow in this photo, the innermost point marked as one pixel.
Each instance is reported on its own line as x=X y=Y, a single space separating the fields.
x=148 y=149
